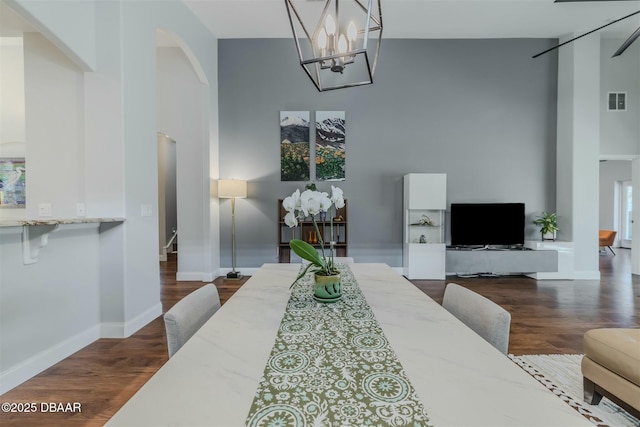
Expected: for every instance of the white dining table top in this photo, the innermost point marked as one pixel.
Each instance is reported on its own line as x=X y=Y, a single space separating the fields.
x=461 y=379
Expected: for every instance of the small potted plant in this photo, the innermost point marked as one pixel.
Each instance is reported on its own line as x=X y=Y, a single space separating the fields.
x=548 y=223
x=311 y=203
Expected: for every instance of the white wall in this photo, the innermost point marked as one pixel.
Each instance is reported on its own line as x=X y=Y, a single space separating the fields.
x=11 y=91
x=68 y=24
x=50 y=309
x=54 y=128
x=619 y=130
x=97 y=131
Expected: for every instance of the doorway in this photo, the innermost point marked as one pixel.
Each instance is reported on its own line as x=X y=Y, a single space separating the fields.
x=625 y=214
x=167 y=196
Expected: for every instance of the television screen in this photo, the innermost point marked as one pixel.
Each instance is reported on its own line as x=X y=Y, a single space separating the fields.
x=484 y=224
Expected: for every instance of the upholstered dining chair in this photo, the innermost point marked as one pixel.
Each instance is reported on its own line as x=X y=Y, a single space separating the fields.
x=189 y=314
x=485 y=317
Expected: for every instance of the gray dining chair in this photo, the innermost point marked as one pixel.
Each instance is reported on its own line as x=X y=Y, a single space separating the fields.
x=485 y=317
x=189 y=314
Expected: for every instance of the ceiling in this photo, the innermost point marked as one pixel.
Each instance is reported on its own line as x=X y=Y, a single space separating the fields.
x=411 y=18
x=432 y=19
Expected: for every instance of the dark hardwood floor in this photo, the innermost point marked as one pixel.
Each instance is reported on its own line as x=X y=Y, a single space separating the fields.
x=547 y=317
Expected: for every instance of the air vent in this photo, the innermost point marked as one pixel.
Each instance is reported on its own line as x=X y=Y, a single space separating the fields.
x=617 y=101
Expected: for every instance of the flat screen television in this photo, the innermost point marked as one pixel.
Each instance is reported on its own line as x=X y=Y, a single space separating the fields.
x=486 y=224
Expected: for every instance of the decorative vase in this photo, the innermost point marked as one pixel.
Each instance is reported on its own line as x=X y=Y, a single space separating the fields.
x=327 y=288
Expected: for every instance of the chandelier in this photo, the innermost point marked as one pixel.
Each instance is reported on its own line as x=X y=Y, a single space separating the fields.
x=337 y=43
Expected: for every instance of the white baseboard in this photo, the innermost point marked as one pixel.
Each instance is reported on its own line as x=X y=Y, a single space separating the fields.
x=126 y=329
x=198 y=276
x=194 y=276
x=208 y=277
x=25 y=370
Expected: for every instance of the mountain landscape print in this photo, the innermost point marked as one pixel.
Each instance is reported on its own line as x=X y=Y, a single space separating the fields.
x=294 y=146
x=330 y=146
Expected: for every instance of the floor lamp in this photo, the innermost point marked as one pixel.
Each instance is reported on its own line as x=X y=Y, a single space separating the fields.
x=232 y=189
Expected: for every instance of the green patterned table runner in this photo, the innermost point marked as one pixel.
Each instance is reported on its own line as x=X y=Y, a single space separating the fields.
x=331 y=365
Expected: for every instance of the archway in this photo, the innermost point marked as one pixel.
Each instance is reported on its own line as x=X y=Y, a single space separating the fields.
x=182 y=114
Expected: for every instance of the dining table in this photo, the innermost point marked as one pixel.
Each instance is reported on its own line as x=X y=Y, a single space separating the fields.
x=424 y=366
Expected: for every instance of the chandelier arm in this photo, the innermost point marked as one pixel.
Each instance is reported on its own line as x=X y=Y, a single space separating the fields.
x=316 y=84
x=356 y=84
x=372 y=17
x=299 y=20
x=375 y=58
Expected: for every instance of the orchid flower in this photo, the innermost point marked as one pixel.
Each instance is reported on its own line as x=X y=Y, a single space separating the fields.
x=313 y=206
x=310 y=203
x=337 y=197
x=290 y=219
x=325 y=202
x=290 y=203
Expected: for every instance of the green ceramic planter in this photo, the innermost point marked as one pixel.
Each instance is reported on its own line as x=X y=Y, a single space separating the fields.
x=327 y=288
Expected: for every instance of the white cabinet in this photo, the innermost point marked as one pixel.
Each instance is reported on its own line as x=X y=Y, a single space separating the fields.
x=425 y=203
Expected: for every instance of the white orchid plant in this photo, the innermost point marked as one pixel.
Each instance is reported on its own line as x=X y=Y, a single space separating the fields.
x=311 y=203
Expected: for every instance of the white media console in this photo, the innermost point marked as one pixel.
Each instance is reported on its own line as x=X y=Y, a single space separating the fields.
x=540 y=260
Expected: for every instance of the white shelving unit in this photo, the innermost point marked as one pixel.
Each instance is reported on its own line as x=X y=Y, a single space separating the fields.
x=425 y=203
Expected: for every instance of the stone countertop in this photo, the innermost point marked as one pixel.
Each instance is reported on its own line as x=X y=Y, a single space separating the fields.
x=56 y=221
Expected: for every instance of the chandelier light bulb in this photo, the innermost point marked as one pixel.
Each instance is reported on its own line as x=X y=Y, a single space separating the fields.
x=352 y=32
x=342 y=44
x=322 y=39
x=330 y=25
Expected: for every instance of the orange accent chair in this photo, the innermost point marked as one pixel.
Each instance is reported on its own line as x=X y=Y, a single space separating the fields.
x=606 y=239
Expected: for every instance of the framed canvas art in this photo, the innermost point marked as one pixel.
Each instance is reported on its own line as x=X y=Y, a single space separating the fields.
x=330 y=146
x=294 y=146
x=12 y=182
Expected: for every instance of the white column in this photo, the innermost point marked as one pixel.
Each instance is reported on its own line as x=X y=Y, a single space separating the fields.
x=578 y=146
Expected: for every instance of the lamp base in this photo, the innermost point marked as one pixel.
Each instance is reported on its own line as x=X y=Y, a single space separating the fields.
x=234 y=275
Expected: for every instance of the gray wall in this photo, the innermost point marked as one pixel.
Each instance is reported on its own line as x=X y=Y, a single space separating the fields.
x=481 y=111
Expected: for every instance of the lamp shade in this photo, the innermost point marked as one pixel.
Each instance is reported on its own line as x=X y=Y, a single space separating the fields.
x=230 y=188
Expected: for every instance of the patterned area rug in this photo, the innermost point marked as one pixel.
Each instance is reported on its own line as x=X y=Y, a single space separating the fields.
x=561 y=374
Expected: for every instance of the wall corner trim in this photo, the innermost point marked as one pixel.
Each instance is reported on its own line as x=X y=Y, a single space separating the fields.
x=126 y=329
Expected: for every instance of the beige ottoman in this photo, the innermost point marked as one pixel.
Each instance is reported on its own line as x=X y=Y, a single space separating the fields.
x=611 y=367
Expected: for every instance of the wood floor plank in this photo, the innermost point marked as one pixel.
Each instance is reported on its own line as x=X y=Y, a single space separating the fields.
x=547 y=317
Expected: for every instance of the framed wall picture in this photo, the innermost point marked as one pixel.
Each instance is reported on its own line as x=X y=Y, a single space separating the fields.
x=295 y=148
x=12 y=182
x=330 y=146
